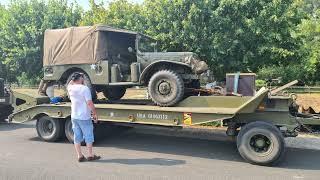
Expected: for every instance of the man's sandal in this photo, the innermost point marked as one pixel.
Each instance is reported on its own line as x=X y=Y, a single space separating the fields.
x=93 y=158
x=82 y=159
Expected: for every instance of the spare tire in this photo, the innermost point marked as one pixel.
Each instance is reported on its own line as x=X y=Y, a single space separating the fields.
x=114 y=93
x=87 y=82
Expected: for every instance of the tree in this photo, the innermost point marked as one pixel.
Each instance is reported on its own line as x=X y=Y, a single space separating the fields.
x=232 y=35
x=264 y=36
x=22 y=26
x=309 y=32
x=120 y=14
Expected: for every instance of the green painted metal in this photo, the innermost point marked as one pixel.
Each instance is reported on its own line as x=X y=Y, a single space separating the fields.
x=198 y=109
x=191 y=111
x=98 y=75
x=21 y=101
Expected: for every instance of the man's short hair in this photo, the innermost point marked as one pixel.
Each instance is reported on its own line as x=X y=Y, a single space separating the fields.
x=76 y=76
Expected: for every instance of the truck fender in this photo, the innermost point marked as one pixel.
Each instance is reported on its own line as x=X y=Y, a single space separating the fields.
x=146 y=70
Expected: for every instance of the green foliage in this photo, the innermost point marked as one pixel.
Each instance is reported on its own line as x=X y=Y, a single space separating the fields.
x=120 y=13
x=22 y=26
x=261 y=83
x=232 y=35
x=274 y=38
x=214 y=124
x=24 y=80
x=309 y=32
x=287 y=73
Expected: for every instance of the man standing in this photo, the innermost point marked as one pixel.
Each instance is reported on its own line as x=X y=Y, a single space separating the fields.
x=81 y=108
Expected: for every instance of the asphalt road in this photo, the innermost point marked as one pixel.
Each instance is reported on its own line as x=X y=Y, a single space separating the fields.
x=134 y=155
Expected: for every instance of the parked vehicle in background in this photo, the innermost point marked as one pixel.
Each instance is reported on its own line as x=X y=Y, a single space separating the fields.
x=5 y=105
x=115 y=59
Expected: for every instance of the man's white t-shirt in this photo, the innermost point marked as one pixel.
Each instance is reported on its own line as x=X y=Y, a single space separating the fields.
x=79 y=95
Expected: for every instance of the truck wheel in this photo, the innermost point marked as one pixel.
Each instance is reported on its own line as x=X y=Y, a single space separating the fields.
x=50 y=129
x=69 y=132
x=261 y=143
x=114 y=93
x=5 y=111
x=87 y=82
x=166 y=88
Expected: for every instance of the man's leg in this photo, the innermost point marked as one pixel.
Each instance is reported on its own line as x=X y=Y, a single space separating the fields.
x=78 y=150
x=87 y=129
x=89 y=147
x=78 y=137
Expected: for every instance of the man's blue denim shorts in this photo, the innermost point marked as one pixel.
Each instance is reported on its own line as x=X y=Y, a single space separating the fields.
x=83 y=130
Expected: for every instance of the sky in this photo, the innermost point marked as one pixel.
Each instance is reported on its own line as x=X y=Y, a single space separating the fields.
x=83 y=3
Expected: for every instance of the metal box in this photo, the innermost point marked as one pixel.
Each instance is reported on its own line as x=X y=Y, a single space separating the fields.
x=246 y=85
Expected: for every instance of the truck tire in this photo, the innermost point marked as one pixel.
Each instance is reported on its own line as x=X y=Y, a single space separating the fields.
x=114 y=93
x=261 y=143
x=5 y=111
x=166 y=88
x=87 y=82
x=50 y=129
x=68 y=130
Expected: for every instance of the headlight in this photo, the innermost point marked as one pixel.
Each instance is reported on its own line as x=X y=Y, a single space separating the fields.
x=48 y=71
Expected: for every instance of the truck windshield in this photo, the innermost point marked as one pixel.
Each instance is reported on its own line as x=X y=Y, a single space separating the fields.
x=147 y=44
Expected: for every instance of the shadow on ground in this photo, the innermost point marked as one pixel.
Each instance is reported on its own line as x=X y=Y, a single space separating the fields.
x=295 y=158
x=145 y=161
x=5 y=126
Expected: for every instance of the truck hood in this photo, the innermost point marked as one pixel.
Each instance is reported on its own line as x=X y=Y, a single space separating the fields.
x=189 y=58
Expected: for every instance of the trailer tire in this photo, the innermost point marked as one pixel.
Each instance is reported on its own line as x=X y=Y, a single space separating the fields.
x=261 y=143
x=166 y=88
x=50 y=129
x=5 y=111
x=69 y=132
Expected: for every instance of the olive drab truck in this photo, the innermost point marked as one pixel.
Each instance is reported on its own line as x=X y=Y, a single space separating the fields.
x=115 y=59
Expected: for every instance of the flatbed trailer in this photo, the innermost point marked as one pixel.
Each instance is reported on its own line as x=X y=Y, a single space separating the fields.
x=259 y=123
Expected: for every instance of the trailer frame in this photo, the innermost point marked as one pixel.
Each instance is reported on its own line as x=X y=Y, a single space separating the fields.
x=267 y=119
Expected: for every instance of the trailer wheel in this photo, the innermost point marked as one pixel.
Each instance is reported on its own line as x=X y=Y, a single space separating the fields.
x=50 y=129
x=69 y=132
x=5 y=112
x=261 y=143
x=166 y=88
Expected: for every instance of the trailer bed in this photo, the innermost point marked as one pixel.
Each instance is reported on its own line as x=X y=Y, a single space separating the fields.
x=259 y=123
x=191 y=111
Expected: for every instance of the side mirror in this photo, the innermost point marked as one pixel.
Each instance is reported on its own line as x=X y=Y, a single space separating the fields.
x=154 y=45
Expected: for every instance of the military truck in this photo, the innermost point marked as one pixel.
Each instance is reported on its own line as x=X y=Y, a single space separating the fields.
x=114 y=59
x=5 y=101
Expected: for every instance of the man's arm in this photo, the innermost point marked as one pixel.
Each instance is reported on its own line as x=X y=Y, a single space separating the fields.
x=70 y=83
x=88 y=98
x=93 y=110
